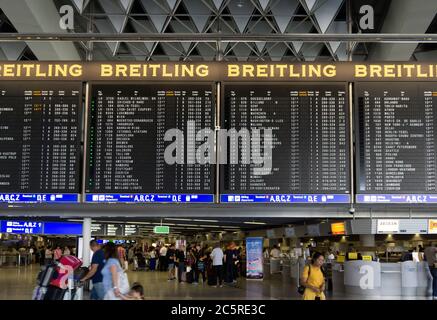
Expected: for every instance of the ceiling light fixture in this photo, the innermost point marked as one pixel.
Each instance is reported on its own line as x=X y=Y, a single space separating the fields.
x=254 y=222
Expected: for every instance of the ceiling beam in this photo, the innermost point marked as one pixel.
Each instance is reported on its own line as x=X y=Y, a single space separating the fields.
x=39 y=17
x=213 y=37
x=404 y=16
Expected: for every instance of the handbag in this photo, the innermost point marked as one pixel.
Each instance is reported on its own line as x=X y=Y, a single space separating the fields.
x=301 y=289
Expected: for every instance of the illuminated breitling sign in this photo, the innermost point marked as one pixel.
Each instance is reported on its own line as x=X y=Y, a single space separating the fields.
x=216 y=71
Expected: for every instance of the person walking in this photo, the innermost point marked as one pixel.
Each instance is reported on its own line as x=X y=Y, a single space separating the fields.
x=152 y=261
x=111 y=273
x=217 y=263
x=171 y=257
x=180 y=259
x=163 y=258
x=95 y=272
x=201 y=264
x=313 y=280
x=229 y=264
x=431 y=258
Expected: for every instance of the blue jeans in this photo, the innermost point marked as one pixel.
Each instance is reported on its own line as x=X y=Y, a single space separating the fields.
x=434 y=280
x=98 y=292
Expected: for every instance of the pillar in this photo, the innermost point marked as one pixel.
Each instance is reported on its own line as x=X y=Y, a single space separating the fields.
x=367 y=240
x=86 y=235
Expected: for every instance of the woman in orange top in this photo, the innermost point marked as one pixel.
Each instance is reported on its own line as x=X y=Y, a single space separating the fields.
x=313 y=279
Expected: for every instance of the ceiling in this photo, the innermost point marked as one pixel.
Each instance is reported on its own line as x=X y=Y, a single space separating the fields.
x=196 y=225
x=260 y=17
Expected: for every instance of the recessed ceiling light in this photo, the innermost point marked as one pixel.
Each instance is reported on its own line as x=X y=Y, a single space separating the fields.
x=202 y=220
x=254 y=222
x=178 y=219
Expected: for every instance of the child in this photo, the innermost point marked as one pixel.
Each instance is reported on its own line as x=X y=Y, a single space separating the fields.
x=136 y=293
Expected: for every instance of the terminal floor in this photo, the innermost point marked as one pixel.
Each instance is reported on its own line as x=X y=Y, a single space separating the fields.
x=17 y=283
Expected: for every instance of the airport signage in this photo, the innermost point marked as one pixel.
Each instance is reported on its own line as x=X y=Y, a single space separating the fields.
x=150 y=198
x=396 y=198
x=161 y=229
x=387 y=226
x=285 y=198
x=41 y=227
x=254 y=258
x=338 y=228
x=432 y=226
x=22 y=227
x=38 y=198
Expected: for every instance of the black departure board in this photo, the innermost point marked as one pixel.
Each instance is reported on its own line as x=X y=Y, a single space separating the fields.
x=396 y=142
x=40 y=127
x=310 y=143
x=127 y=125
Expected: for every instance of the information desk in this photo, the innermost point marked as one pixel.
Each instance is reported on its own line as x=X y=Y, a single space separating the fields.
x=275 y=266
x=370 y=278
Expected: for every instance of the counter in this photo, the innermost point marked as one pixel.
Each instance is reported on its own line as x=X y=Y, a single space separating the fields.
x=275 y=265
x=266 y=269
x=337 y=278
x=285 y=270
x=370 y=278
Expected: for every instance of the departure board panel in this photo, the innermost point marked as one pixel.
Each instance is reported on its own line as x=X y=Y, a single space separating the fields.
x=40 y=127
x=144 y=145
x=309 y=143
x=396 y=144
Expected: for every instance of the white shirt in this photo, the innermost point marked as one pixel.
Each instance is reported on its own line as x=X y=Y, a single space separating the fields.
x=217 y=257
x=275 y=253
x=163 y=252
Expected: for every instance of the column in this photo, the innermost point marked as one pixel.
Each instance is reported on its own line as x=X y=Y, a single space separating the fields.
x=86 y=235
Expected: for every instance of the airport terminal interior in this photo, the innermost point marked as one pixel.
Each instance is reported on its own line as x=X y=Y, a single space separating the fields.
x=218 y=149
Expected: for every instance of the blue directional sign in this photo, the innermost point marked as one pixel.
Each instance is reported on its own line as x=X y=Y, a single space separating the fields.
x=396 y=198
x=285 y=198
x=22 y=227
x=151 y=198
x=38 y=198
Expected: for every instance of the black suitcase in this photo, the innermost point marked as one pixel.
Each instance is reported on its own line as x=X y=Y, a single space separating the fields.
x=190 y=276
x=55 y=293
x=46 y=275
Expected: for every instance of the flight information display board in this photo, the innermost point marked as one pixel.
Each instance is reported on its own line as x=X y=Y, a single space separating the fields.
x=40 y=127
x=129 y=158
x=396 y=142
x=309 y=143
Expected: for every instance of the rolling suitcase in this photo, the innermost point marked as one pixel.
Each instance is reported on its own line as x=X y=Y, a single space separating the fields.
x=189 y=276
x=45 y=276
x=68 y=264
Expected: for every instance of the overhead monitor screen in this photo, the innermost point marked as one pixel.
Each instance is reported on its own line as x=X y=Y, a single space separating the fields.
x=285 y=143
x=396 y=142
x=151 y=143
x=40 y=127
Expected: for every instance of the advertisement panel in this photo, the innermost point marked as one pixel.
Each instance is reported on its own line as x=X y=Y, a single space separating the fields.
x=388 y=226
x=254 y=254
x=432 y=226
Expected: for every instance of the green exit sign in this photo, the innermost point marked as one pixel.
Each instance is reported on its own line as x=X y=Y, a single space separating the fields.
x=161 y=229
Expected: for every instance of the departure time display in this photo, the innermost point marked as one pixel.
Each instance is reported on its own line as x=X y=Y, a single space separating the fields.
x=40 y=127
x=396 y=145
x=309 y=160
x=143 y=143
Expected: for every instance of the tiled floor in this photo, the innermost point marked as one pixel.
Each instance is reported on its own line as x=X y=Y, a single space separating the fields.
x=18 y=284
